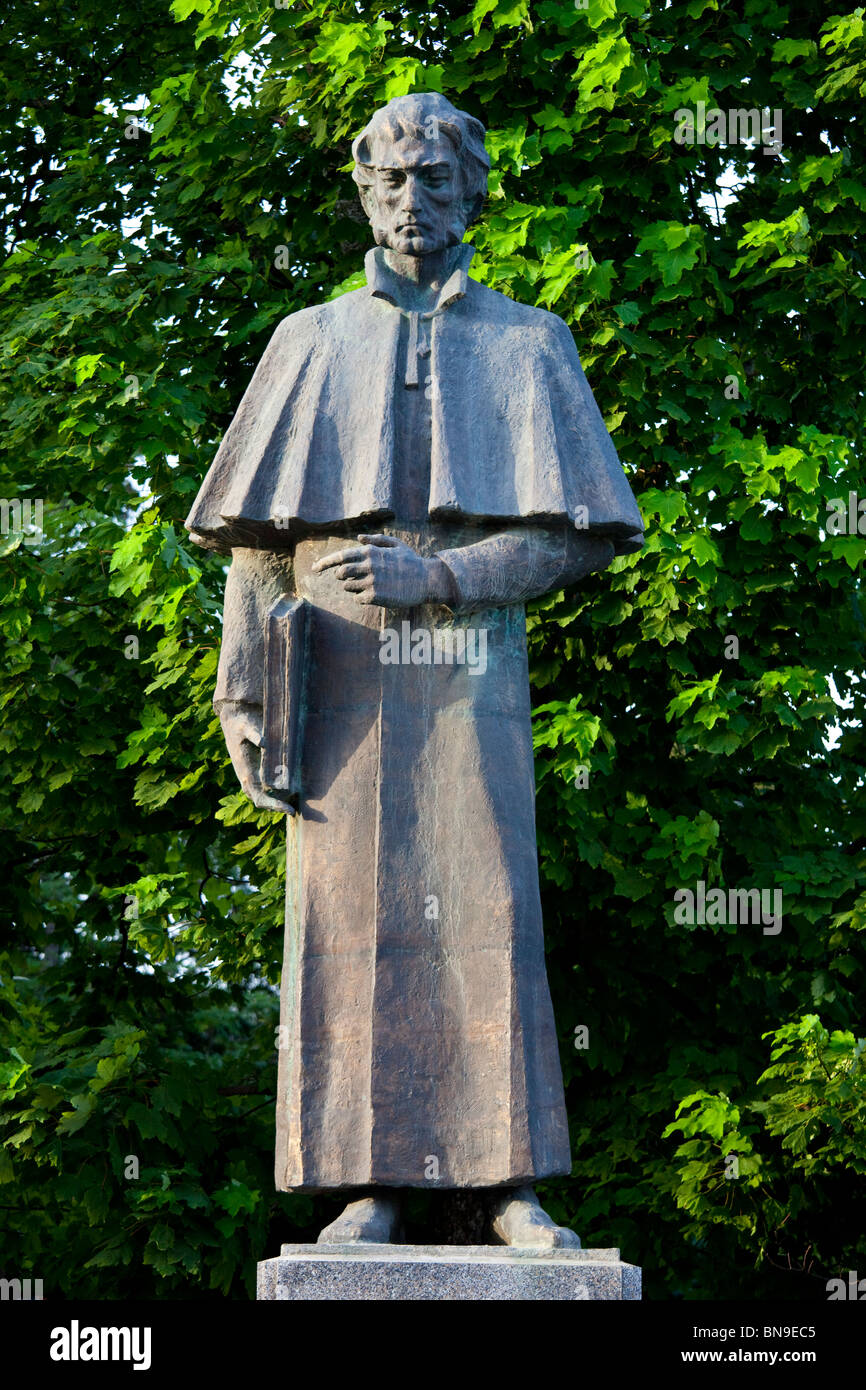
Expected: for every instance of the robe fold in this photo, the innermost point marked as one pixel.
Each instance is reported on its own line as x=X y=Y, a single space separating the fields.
x=418 y=1038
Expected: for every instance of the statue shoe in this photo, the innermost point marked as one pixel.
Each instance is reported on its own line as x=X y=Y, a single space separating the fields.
x=520 y=1220
x=371 y=1220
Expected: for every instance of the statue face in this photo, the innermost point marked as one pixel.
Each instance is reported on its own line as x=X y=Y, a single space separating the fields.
x=415 y=203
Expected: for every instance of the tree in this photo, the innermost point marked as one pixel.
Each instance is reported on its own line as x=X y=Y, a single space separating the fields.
x=177 y=182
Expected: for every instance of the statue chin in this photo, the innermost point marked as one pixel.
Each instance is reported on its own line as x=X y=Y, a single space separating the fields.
x=417 y=245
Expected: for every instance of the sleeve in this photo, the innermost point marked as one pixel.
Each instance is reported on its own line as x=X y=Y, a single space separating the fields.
x=520 y=564
x=256 y=579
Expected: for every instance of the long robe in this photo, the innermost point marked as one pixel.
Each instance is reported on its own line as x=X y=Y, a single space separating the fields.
x=419 y=1040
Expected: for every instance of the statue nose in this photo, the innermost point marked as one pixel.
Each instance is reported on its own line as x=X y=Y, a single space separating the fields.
x=410 y=195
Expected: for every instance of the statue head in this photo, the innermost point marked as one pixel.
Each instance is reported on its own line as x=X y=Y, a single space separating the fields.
x=421 y=170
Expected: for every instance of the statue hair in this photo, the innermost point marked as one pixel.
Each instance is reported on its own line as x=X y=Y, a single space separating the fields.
x=412 y=116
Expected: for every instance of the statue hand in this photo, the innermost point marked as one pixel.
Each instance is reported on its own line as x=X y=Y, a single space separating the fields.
x=385 y=571
x=242 y=729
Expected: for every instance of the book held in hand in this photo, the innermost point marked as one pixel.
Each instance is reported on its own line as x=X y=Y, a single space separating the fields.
x=285 y=659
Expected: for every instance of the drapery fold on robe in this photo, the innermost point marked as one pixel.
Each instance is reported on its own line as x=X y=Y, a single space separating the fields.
x=412 y=1038
x=516 y=433
x=418 y=1044
x=419 y=1047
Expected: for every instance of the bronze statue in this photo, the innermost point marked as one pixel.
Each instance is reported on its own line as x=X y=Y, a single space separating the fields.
x=409 y=465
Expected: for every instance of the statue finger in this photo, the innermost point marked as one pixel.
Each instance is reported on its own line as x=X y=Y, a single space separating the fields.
x=338 y=557
x=248 y=732
x=262 y=797
x=263 y=801
x=380 y=540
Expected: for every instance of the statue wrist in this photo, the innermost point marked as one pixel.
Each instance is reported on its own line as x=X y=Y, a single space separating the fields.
x=442 y=584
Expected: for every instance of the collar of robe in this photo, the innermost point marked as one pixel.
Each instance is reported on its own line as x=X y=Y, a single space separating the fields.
x=385 y=283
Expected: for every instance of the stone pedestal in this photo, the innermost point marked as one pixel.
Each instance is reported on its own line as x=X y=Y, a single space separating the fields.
x=473 y=1272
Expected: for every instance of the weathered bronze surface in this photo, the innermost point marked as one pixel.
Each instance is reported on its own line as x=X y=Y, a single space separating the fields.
x=408 y=466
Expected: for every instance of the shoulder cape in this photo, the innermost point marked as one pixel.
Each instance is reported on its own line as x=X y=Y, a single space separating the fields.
x=516 y=433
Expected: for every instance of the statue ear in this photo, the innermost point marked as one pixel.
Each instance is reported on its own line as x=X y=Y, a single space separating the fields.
x=472 y=208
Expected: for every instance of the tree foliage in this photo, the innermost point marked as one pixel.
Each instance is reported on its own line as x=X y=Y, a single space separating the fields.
x=177 y=181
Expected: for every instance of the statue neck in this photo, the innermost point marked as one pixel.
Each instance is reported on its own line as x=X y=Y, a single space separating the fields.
x=422 y=276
